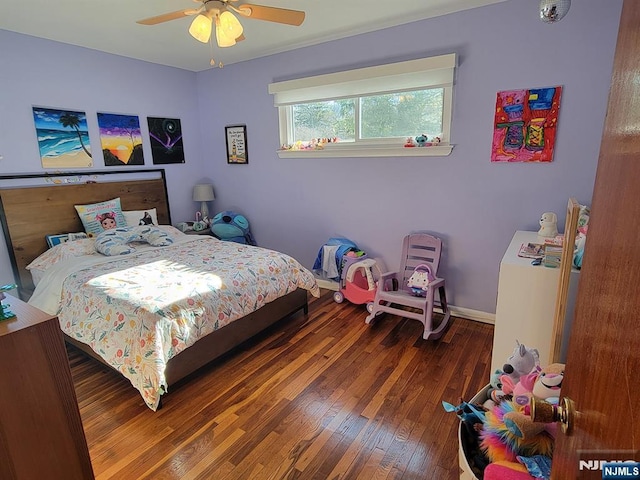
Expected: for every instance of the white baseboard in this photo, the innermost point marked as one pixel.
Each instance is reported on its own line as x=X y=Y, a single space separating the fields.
x=327 y=284
x=470 y=314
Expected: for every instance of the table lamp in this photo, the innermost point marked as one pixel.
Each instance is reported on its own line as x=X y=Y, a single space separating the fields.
x=203 y=193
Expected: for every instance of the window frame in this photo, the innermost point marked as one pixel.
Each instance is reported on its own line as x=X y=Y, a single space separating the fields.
x=420 y=74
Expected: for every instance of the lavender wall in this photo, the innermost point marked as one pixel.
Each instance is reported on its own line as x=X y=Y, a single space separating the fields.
x=295 y=205
x=44 y=73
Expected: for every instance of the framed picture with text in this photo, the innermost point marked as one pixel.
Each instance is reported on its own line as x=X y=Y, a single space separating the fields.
x=236 y=136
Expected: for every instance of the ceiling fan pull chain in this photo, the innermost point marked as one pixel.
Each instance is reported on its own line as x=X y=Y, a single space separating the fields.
x=212 y=62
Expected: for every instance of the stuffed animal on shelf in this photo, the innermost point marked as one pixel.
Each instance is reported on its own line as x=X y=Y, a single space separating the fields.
x=548 y=225
x=421 y=140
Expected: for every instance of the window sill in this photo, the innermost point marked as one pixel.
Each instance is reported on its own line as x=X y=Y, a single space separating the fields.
x=346 y=151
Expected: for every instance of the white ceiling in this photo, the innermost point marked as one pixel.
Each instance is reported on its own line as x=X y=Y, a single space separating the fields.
x=110 y=26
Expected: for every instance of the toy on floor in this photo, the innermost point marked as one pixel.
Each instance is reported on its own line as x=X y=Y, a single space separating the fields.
x=232 y=227
x=330 y=260
x=358 y=283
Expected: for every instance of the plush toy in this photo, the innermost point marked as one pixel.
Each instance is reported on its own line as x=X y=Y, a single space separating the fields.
x=521 y=362
x=233 y=227
x=506 y=471
x=500 y=443
x=495 y=394
x=421 y=140
x=546 y=386
x=420 y=279
x=548 y=225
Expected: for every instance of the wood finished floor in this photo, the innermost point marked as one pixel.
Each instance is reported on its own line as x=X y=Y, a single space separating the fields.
x=322 y=396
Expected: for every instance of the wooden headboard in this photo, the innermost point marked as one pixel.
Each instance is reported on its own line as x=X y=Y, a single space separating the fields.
x=30 y=212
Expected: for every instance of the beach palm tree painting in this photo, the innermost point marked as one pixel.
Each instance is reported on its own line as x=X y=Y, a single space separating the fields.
x=121 y=139
x=63 y=138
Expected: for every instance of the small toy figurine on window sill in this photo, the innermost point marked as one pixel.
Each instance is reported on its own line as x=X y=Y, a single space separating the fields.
x=5 y=313
x=409 y=143
x=421 y=140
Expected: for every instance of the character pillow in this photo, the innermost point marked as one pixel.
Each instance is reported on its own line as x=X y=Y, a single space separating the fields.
x=98 y=217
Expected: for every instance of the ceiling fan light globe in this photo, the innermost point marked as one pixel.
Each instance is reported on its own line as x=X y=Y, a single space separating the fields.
x=200 y=28
x=222 y=38
x=230 y=25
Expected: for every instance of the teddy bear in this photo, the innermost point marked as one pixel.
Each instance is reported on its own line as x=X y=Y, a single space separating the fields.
x=548 y=225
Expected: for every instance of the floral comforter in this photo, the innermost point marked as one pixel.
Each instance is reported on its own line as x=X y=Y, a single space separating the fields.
x=140 y=310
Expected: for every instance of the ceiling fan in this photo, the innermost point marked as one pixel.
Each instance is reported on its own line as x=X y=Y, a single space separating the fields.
x=227 y=27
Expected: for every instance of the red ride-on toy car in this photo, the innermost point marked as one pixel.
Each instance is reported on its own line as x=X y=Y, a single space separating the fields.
x=358 y=281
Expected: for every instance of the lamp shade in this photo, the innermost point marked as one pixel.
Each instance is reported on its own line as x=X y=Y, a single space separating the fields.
x=230 y=25
x=203 y=193
x=223 y=35
x=200 y=28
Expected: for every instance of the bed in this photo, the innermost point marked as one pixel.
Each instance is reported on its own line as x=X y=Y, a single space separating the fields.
x=157 y=314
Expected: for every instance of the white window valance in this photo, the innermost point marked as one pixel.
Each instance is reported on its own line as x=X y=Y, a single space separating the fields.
x=432 y=72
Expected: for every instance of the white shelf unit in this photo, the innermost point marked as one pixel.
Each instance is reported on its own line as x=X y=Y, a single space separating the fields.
x=526 y=304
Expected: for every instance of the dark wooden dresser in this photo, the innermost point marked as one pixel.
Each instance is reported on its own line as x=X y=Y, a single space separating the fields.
x=41 y=434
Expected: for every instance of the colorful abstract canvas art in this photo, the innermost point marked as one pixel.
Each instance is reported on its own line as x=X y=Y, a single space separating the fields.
x=121 y=139
x=525 y=125
x=166 y=140
x=63 y=138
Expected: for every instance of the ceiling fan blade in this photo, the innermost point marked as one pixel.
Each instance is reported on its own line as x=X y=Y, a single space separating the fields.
x=169 y=16
x=271 y=14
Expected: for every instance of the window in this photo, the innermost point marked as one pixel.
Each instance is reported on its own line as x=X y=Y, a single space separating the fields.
x=369 y=111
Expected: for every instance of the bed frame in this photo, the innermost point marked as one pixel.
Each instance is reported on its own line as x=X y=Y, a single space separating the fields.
x=44 y=204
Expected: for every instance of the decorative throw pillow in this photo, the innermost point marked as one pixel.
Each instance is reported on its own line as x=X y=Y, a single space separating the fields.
x=116 y=241
x=141 y=217
x=53 y=240
x=98 y=217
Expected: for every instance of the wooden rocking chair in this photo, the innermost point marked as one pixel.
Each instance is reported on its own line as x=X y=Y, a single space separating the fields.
x=393 y=294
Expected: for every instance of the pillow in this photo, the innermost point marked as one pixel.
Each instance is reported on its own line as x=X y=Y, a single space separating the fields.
x=97 y=217
x=63 y=251
x=53 y=240
x=141 y=217
x=116 y=241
